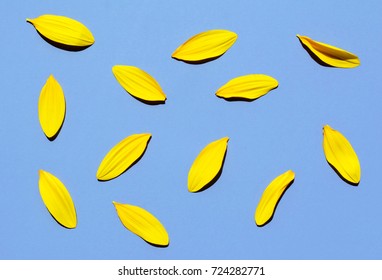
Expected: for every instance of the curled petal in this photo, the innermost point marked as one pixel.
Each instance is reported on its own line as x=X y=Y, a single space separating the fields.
x=340 y=155
x=329 y=55
x=207 y=166
x=63 y=32
x=142 y=223
x=139 y=84
x=57 y=200
x=271 y=196
x=123 y=155
x=205 y=46
x=51 y=108
x=249 y=87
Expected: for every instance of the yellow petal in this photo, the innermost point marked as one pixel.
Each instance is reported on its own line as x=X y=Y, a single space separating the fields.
x=207 y=165
x=63 y=32
x=142 y=223
x=139 y=84
x=51 y=108
x=247 y=87
x=57 y=199
x=123 y=155
x=329 y=55
x=271 y=196
x=340 y=155
x=205 y=46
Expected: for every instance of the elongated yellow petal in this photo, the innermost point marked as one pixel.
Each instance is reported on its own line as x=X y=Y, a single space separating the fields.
x=205 y=46
x=57 y=199
x=122 y=156
x=63 y=32
x=139 y=83
x=248 y=87
x=142 y=223
x=207 y=165
x=340 y=155
x=271 y=196
x=51 y=108
x=328 y=54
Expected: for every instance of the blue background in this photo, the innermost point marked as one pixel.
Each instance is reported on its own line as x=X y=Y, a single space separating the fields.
x=319 y=217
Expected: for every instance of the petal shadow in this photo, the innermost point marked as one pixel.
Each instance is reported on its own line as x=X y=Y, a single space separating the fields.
x=343 y=178
x=51 y=139
x=199 y=61
x=314 y=56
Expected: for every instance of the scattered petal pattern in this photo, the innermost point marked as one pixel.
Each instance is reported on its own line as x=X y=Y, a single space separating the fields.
x=205 y=46
x=139 y=83
x=340 y=155
x=271 y=196
x=207 y=165
x=330 y=55
x=248 y=87
x=142 y=223
x=57 y=199
x=122 y=156
x=51 y=108
x=63 y=32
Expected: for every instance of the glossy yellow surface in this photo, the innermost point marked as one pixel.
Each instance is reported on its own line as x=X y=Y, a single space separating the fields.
x=341 y=155
x=206 y=45
x=207 y=165
x=330 y=55
x=271 y=196
x=51 y=107
x=142 y=223
x=122 y=156
x=57 y=199
x=63 y=30
x=139 y=83
x=248 y=87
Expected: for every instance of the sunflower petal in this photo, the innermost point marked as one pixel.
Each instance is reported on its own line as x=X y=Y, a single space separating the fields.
x=57 y=199
x=142 y=223
x=122 y=156
x=63 y=32
x=139 y=83
x=205 y=46
x=329 y=55
x=340 y=155
x=247 y=87
x=271 y=196
x=207 y=165
x=51 y=108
